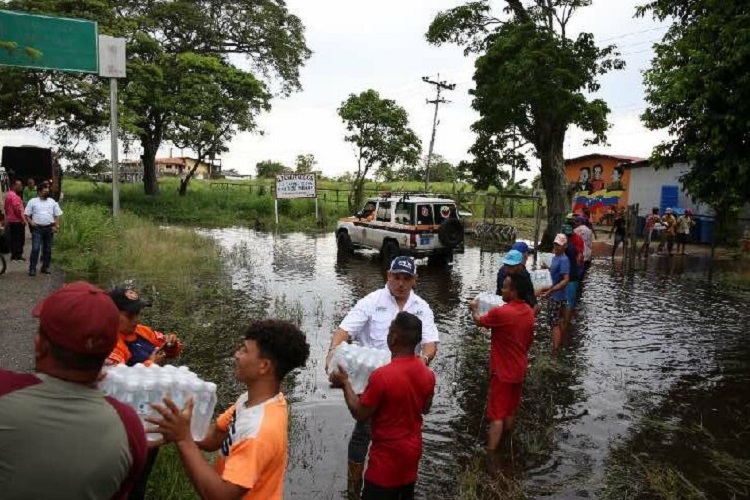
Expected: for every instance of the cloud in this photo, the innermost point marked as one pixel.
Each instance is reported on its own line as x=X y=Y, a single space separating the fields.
x=360 y=45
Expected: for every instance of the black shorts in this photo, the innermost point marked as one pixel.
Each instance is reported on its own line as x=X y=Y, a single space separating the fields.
x=372 y=491
x=682 y=238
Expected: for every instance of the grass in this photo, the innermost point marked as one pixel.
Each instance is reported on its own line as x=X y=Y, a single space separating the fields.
x=251 y=203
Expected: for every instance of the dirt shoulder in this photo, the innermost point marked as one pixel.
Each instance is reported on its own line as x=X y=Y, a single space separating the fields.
x=19 y=293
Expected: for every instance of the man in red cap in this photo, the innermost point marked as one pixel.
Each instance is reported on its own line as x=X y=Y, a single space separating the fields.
x=60 y=437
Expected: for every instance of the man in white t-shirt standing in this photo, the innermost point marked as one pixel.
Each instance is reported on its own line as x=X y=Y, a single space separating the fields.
x=368 y=323
x=43 y=216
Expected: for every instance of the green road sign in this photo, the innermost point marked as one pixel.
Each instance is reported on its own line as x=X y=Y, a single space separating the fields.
x=32 y=41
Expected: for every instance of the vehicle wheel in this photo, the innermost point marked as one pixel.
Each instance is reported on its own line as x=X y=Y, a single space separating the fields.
x=3 y=265
x=389 y=252
x=451 y=233
x=344 y=243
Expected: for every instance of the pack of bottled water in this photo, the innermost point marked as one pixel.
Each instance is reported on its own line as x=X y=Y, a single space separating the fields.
x=487 y=301
x=543 y=260
x=139 y=386
x=541 y=278
x=359 y=363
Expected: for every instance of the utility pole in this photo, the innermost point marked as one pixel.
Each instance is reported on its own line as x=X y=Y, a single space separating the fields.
x=440 y=86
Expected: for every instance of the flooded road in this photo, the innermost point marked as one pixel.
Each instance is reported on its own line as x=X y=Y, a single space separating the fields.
x=662 y=343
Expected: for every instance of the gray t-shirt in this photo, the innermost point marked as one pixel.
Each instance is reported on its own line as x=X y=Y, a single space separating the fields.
x=59 y=439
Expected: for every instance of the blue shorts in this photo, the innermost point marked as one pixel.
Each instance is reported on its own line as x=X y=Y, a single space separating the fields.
x=571 y=293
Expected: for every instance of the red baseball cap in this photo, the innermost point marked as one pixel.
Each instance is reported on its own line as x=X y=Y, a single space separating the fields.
x=79 y=317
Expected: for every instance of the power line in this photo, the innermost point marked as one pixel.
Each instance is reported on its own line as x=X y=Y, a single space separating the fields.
x=440 y=85
x=631 y=33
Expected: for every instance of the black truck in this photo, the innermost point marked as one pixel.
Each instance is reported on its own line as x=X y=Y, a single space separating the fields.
x=24 y=162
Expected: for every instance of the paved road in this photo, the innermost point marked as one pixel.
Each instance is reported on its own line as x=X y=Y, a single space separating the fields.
x=19 y=293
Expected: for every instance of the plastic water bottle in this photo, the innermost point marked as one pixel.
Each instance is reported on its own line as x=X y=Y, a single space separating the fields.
x=359 y=363
x=541 y=278
x=140 y=386
x=487 y=301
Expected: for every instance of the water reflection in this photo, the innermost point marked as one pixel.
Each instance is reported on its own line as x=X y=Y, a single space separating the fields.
x=636 y=336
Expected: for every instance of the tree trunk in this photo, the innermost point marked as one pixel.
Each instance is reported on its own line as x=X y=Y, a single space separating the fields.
x=150 y=184
x=555 y=186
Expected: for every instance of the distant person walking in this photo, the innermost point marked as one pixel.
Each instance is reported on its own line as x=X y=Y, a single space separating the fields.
x=512 y=326
x=43 y=216
x=670 y=225
x=684 y=224
x=648 y=231
x=618 y=228
x=15 y=220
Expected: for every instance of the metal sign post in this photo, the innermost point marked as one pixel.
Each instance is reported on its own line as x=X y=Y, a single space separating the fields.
x=112 y=66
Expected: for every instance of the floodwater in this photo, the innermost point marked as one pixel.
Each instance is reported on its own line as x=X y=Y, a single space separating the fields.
x=643 y=342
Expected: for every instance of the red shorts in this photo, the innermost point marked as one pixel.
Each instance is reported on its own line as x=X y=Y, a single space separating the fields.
x=504 y=398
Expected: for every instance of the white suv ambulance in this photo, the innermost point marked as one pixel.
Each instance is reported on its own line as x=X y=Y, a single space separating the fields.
x=408 y=224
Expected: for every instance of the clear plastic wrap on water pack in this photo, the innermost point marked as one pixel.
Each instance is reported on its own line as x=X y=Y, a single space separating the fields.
x=139 y=386
x=541 y=278
x=359 y=363
x=543 y=260
x=487 y=301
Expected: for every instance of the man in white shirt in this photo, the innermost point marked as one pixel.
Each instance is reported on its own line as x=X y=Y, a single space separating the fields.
x=368 y=323
x=43 y=216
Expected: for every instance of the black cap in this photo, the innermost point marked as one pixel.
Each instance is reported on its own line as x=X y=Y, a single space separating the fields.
x=128 y=300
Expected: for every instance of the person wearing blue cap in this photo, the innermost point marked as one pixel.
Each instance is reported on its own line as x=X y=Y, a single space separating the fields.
x=368 y=323
x=514 y=262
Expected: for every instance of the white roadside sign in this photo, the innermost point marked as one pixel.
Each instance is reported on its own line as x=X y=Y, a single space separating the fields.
x=289 y=186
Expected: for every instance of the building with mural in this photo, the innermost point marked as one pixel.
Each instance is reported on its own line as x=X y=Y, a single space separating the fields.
x=600 y=182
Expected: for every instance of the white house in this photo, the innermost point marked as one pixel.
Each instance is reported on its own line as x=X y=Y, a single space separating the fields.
x=661 y=188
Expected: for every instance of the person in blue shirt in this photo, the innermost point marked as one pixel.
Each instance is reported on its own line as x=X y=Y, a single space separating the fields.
x=514 y=262
x=557 y=302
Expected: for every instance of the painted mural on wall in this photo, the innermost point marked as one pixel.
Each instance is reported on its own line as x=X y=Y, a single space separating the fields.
x=598 y=190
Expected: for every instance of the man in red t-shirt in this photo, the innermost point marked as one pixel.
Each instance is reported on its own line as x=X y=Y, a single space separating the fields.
x=396 y=397
x=512 y=328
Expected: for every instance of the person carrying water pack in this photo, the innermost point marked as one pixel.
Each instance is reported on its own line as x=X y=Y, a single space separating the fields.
x=557 y=302
x=368 y=323
x=60 y=437
x=512 y=326
x=252 y=435
x=394 y=400
x=137 y=343
x=514 y=262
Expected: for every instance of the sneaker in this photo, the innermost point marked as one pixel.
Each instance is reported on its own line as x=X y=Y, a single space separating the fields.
x=46 y=271
x=32 y=272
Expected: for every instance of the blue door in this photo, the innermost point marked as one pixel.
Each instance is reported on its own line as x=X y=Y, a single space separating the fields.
x=669 y=197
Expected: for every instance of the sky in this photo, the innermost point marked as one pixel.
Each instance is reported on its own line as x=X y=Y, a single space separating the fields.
x=359 y=45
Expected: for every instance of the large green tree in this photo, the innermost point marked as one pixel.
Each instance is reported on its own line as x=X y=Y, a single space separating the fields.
x=533 y=83
x=157 y=32
x=379 y=130
x=206 y=125
x=698 y=88
x=269 y=169
x=304 y=164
